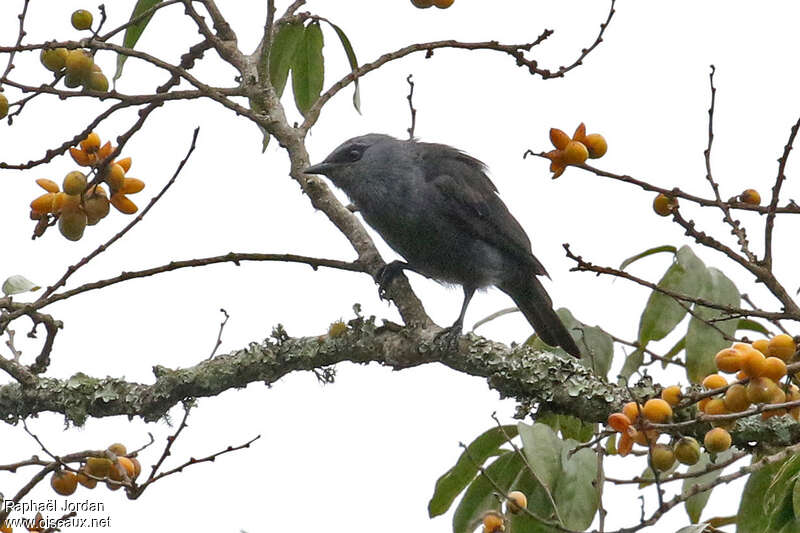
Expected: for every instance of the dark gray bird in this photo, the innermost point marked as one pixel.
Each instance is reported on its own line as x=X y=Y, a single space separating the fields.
x=435 y=206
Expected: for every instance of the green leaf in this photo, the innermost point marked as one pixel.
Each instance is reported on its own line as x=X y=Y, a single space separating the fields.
x=695 y=504
x=697 y=528
x=575 y=494
x=480 y=496
x=308 y=68
x=464 y=471
x=767 y=503
x=677 y=348
x=796 y=499
x=651 y=251
x=282 y=53
x=542 y=448
x=570 y=426
x=752 y=325
x=134 y=31
x=632 y=364
x=687 y=275
x=702 y=340
x=17 y=284
x=351 y=58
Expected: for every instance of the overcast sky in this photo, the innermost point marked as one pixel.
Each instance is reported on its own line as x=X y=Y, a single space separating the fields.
x=363 y=454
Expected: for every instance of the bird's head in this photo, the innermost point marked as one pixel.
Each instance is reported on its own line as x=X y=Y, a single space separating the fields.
x=349 y=161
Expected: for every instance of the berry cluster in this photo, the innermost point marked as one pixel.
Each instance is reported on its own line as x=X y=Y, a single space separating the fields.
x=495 y=521
x=759 y=368
x=574 y=151
x=77 y=65
x=65 y=482
x=80 y=203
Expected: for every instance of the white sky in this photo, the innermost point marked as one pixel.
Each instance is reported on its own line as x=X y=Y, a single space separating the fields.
x=363 y=454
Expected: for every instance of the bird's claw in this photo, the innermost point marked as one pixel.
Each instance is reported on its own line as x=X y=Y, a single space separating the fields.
x=449 y=337
x=385 y=276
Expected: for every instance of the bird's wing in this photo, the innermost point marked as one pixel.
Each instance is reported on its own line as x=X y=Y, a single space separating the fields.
x=472 y=201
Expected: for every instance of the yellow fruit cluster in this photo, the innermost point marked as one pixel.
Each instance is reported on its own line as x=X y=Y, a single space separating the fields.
x=79 y=204
x=574 y=151
x=65 y=482
x=81 y=19
x=495 y=521
x=760 y=366
x=763 y=364
x=424 y=4
x=78 y=67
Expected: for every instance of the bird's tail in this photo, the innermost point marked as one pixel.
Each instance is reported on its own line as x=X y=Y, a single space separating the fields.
x=534 y=302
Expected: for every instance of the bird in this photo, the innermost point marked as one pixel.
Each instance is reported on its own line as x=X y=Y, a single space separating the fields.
x=435 y=206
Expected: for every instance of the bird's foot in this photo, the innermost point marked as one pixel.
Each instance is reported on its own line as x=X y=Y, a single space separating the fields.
x=385 y=276
x=449 y=337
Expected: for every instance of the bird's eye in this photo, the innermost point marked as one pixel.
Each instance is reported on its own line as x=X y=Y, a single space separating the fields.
x=354 y=154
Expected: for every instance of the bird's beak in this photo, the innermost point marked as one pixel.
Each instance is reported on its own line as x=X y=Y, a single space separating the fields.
x=320 y=168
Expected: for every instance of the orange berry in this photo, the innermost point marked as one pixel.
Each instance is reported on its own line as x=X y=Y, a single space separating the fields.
x=631 y=410
x=717 y=440
x=98 y=466
x=760 y=390
x=493 y=522
x=137 y=467
x=740 y=375
x=557 y=164
x=559 y=139
x=662 y=457
x=663 y=205
x=728 y=360
x=85 y=480
x=5 y=528
x=422 y=4
x=125 y=163
x=625 y=444
x=753 y=363
x=575 y=153
x=781 y=346
x=127 y=464
x=644 y=438
x=91 y=143
x=118 y=449
x=80 y=157
x=580 y=133
x=517 y=501
x=131 y=185
x=596 y=144
x=716 y=406
x=48 y=185
x=657 y=410
x=714 y=381
x=64 y=482
x=123 y=204
x=619 y=422
x=774 y=368
x=687 y=451
x=701 y=405
x=44 y=203
x=672 y=395
x=750 y=196
x=761 y=345
x=443 y=4
x=736 y=398
x=115 y=177
x=105 y=151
